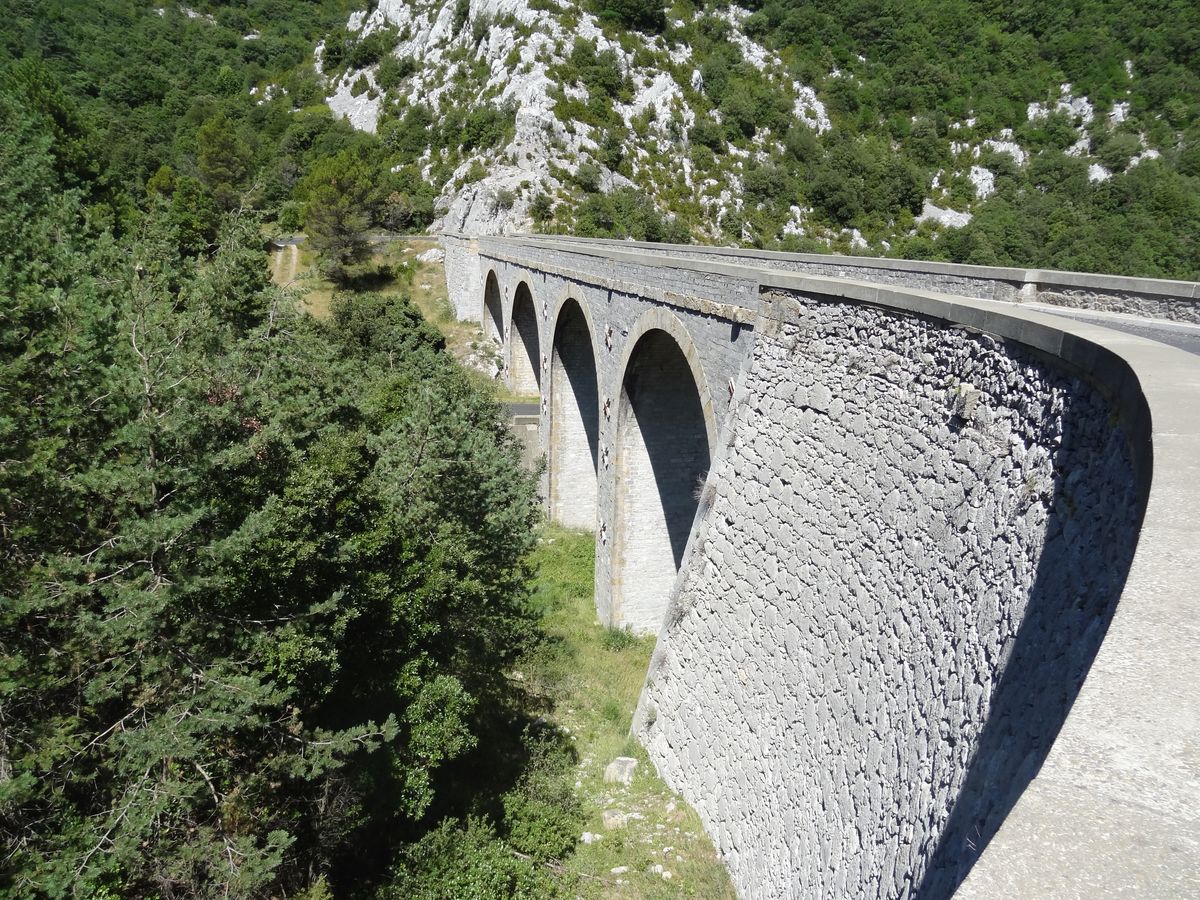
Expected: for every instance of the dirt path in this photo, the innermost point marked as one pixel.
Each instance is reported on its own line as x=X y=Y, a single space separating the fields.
x=285 y=262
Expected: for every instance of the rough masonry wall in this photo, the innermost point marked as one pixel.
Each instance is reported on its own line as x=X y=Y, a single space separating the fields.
x=913 y=540
x=620 y=297
x=1129 y=303
x=464 y=281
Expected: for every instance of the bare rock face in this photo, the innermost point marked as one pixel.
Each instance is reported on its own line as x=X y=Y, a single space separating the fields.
x=620 y=770
x=362 y=111
x=514 y=47
x=490 y=206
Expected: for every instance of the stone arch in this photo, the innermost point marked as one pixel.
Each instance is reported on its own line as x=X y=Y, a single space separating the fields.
x=574 y=417
x=524 y=365
x=665 y=439
x=492 y=315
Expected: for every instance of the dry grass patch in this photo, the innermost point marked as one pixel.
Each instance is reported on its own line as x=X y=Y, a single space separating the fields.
x=591 y=677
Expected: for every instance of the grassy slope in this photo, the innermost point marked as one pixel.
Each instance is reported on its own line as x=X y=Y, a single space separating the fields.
x=294 y=267
x=586 y=677
x=592 y=676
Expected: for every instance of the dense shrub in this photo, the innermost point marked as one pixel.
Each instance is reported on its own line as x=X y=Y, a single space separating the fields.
x=642 y=15
x=393 y=70
x=458 y=860
x=627 y=213
x=282 y=555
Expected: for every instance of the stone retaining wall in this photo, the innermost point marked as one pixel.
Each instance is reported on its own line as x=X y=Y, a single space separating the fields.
x=913 y=540
x=464 y=282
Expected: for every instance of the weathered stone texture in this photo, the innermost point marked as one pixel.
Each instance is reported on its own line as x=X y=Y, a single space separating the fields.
x=911 y=546
x=708 y=315
x=464 y=283
x=1129 y=303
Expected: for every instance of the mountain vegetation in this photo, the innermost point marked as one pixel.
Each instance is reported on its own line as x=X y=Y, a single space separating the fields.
x=262 y=573
x=264 y=579
x=1039 y=134
x=1047 y=135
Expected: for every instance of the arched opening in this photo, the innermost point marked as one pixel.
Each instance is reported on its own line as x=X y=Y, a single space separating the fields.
x=493 y=310
x=525 y=366
x=663 y=457
x=574 y=421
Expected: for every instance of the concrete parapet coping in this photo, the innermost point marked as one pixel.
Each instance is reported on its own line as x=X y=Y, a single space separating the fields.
x=1115 y=807
x=1186 y=290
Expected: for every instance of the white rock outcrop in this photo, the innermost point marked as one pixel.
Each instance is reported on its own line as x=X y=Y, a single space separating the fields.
x=947 y=218
x=518 y=46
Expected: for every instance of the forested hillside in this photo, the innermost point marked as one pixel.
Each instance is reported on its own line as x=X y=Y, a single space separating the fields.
x=1047 y=134
x=204 y=111
x=263 y=576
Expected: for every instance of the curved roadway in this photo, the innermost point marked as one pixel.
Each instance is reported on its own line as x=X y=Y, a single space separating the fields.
x=1184 y=335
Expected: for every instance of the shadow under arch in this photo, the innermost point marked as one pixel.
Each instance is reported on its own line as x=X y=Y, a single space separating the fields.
x=525 y=370
x=574 y=419
x=492 y=314
x=664 y=445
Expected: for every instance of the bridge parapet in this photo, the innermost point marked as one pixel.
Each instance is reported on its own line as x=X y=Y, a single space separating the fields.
x=935 y=621
x=1148 y=297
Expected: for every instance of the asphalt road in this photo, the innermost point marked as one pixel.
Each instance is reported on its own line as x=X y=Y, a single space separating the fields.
x=1183 y=335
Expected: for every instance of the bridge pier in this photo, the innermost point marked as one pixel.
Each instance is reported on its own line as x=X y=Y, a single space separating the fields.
x=574 y=421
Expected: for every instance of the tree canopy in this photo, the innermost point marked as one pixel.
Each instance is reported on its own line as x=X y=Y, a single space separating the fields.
x=262 y=574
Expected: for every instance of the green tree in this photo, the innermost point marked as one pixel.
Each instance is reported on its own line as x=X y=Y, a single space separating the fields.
x=194 y=215
x=542 y=208
x=73 y=146
x=643 y=15
x=339 y=194
x=223 y=159
x=262 y=574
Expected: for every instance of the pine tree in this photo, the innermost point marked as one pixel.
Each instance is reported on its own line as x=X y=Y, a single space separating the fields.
x=261 y=574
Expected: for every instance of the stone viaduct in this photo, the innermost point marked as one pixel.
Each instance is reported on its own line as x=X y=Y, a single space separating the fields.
x=922 y=555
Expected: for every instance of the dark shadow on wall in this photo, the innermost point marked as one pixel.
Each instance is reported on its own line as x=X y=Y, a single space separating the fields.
x=1080 y=576
x=665 y=402
x=573 y=349
x=493 y=314
x=526 y=347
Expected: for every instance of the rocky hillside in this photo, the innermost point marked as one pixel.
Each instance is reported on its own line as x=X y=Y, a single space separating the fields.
x=618 y=103
x=953 y=130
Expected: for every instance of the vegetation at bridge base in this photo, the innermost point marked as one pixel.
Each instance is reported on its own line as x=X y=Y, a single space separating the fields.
x=266 y=579
x=262 y=574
